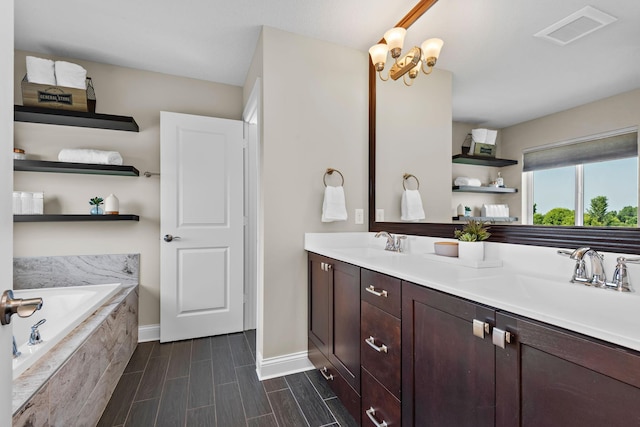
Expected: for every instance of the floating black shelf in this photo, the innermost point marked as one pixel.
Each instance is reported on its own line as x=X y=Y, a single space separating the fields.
x=487 y=218
x=53 y=116
x=64 y=167
x=72 y=218
x=471 y=189
x=482 y=161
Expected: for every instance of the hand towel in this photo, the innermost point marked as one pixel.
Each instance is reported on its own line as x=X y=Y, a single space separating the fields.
x=411 y=206
x=41 y=71
x=70 y=75
x=468 y=182
x=90 y=156
x=334 y=207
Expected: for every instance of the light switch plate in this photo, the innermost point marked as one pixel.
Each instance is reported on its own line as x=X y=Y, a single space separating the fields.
x=359 y=216
x=379 y=215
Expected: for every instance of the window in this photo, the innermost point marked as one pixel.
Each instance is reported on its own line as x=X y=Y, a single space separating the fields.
x=591 y=182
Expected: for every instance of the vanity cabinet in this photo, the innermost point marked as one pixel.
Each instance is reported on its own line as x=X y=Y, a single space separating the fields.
x=381 y=348
x=334 y=327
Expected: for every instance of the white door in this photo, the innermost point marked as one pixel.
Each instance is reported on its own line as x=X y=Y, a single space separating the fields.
x=6 y=188
x=201 y=225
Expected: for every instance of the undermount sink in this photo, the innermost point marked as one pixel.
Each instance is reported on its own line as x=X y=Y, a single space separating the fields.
x=367 y=252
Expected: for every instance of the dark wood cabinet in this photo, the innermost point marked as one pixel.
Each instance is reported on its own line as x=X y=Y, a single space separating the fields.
x=548 y=376
x=447 y=372
x=334 y=326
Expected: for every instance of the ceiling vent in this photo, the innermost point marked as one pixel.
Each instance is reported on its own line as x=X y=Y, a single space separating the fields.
x=576 y=25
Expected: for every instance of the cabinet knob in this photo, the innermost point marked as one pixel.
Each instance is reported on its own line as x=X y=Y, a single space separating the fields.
x=324 y=266
x=501 y=338
x=371 y=413
x=372 y=343
x=481 y=328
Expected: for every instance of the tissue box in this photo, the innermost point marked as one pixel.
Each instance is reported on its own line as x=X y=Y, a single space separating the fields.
x=487 y=150
x=495 y=211
x=58 y=97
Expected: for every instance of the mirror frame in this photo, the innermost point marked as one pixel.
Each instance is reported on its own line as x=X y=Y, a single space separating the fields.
x=612 y=239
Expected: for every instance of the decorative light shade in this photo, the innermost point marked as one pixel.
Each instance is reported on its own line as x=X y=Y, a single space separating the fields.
x=395 y=39
x=431 y=48
x=378 y=54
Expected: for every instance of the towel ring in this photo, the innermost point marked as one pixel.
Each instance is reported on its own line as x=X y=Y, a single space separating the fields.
x=330 y=171
x=406 y=176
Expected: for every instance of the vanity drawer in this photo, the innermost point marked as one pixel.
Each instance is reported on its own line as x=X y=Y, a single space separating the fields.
x=383 y=361
x=347 y=395
x=378 y=403
x=381 y=290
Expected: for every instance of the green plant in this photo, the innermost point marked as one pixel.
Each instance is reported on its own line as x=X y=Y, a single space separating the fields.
x=473 y=231
x=96 y=201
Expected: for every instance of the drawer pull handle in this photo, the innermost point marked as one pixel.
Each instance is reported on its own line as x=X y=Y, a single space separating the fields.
x=372 y=290
x=372 y=343
x=371 y=413
x=324 y=371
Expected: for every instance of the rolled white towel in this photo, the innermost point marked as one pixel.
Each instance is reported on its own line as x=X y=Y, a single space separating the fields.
x=468 y=182
x=411 y=206
x=334 y=207
x=40 y=70
x=82 y=155
x=70 y=75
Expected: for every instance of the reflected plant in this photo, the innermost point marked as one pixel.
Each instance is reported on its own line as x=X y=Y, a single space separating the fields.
x=473 y=231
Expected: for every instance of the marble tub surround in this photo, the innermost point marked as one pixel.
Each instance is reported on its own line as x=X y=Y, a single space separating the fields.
x=75 y=270
x=73 y=384
x=532 y=282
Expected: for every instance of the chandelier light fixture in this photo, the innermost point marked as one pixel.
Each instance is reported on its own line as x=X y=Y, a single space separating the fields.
x=423 y=57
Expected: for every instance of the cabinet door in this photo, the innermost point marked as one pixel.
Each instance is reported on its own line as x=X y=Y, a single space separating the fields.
x=550 y=377
x=319 y=286
x=344 y=315
x=447 y=372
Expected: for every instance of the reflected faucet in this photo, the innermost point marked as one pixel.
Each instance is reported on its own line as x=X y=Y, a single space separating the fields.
x=596 y=276
x=35 y=337
x=394 y=243
x=23 y=307
x=16 y=353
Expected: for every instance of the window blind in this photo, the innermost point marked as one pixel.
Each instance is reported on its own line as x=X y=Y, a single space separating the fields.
x=590 y=151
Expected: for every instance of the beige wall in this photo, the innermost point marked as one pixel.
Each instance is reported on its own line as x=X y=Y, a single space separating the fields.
x=607 y=114
x=120 y=91
x=315 y=117
x=413 y=135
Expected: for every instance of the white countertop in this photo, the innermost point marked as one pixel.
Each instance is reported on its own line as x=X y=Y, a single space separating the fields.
x=532 y=282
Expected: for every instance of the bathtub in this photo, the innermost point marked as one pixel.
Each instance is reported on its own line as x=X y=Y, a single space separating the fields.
x=64 y=308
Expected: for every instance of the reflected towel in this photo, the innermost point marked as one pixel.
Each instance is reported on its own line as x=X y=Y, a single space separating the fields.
x=90 y=156
x=469 y=182
x=334 y=207
x=70 y=75
x=41 y=71
x=411 y=206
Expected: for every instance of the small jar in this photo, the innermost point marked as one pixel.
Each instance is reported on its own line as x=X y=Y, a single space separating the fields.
x=19 y=154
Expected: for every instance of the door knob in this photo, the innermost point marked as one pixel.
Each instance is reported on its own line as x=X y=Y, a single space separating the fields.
x=169 y=238
x=23 y=307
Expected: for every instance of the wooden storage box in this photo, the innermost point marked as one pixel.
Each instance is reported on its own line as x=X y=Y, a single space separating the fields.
x=59 y=97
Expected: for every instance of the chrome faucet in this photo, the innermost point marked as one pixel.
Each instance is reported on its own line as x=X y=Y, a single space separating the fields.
x=394 y=243
x=621 y=276
x=35 y=337
x=596 y=275
x=23 y=307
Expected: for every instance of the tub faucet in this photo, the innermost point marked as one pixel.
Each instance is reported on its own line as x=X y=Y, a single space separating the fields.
x=394 y=243
x=16 y=353
x=23 y=307
x=35 y=337
x=596 y=276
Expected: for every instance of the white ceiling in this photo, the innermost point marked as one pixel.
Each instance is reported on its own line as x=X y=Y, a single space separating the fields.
x=502 y=74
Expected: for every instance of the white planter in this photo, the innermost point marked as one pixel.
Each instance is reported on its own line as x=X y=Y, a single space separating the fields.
x=473 y=251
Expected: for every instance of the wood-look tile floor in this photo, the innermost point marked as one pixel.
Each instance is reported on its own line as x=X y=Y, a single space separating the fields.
x=212 y=382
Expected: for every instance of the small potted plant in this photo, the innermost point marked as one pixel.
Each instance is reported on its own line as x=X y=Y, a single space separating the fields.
x=96 y=202
x=472 y=237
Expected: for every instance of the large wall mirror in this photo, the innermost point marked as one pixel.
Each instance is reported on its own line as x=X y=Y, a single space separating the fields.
x=536 y=92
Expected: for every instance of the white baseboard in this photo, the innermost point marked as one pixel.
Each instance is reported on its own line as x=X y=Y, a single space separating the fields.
x=278 y=366
x=149 y=333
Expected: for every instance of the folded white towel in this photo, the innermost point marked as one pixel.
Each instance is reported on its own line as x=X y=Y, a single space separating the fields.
x=468 y=182
x=41 y=71
x=90 y=156
x=70 y=75
x=411 y=206
x=334 y=207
